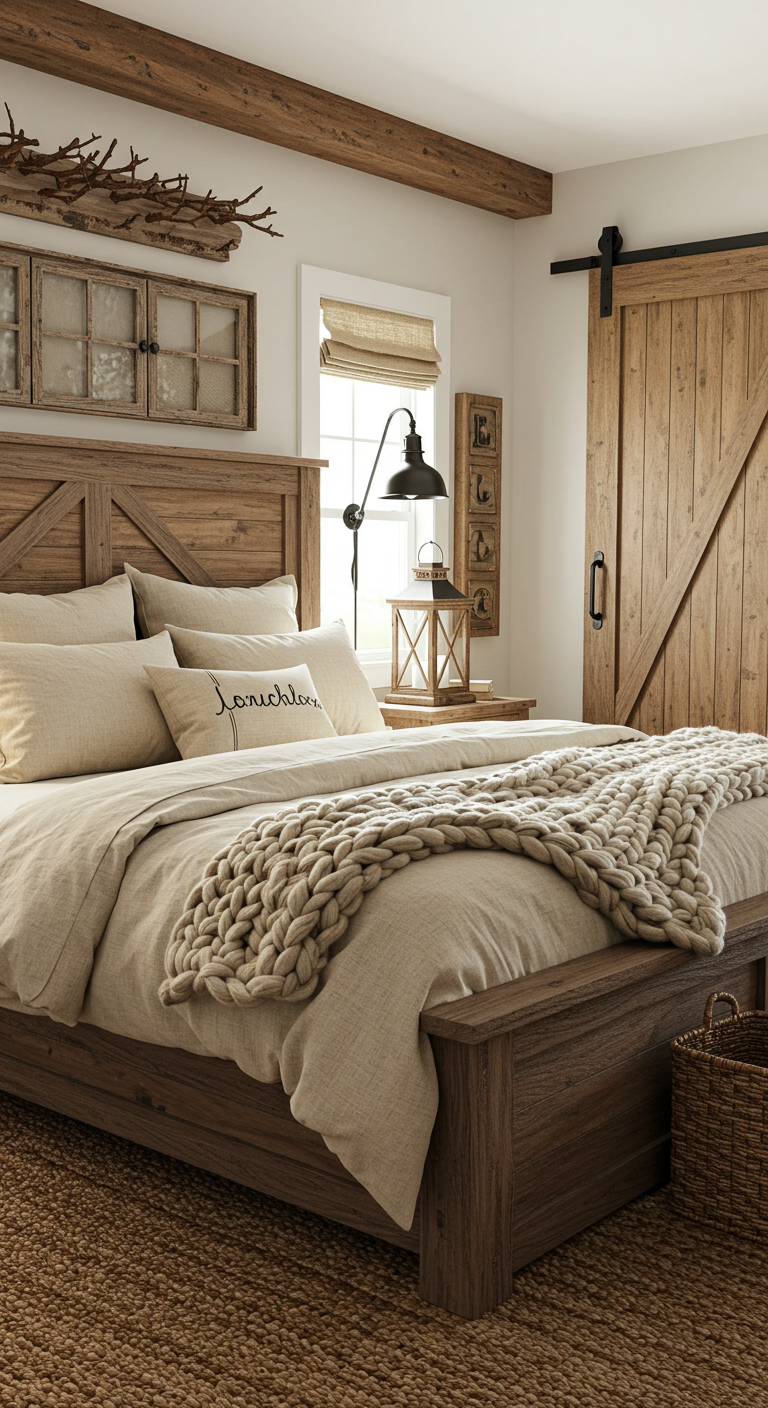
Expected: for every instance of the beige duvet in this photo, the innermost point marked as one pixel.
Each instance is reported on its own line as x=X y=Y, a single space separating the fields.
x=92 y=878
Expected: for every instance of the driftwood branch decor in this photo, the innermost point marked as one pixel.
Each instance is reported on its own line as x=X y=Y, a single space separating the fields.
x=76 y=186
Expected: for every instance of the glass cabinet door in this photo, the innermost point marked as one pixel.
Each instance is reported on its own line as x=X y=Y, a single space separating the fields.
x=89 y=338
x=15 y=377
x=200 y=365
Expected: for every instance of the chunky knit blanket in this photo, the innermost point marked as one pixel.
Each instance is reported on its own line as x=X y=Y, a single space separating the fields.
x=624 y=824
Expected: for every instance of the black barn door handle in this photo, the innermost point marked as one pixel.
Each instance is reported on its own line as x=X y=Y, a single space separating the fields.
x=597 y=616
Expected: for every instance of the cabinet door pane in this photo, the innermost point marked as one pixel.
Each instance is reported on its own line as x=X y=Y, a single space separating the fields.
x=86 y=329
x=204 y=369
x=176 y=324
x=113 y=313
x=218 y=328
x=65 y=304
x=8 y=294
x=9 y=360
x=15 y=377
x=64 y=367
x=218 y=388
x=113 y=373
x=176 y=382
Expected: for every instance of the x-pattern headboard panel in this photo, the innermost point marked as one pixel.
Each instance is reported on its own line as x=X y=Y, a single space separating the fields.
x=72 y=511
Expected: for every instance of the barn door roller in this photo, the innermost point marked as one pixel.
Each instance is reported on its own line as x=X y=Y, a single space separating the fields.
x=609 y=244
x=611 y=253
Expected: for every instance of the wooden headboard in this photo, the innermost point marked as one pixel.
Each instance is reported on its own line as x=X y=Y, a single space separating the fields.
x=72 y=511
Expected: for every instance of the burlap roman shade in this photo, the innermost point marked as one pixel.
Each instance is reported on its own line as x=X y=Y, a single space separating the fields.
x=373 y=344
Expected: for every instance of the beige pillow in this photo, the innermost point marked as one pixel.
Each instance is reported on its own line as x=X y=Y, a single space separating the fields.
x=270 y=607
x=71 y=709
x=327 y=650
x=223 y=711
x=85 y=617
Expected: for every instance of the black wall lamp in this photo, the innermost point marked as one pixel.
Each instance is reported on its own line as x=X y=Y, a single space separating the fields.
x=414 y=480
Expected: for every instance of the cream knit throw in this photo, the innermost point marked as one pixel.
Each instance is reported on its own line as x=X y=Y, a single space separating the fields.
x=624 y=824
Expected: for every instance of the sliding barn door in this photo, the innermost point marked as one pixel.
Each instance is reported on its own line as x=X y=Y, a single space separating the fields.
x=677 y=495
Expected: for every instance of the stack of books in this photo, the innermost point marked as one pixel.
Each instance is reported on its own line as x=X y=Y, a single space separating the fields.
x=482 y=689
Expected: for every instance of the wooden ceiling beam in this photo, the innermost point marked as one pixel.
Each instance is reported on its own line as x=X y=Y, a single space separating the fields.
x=102 y=50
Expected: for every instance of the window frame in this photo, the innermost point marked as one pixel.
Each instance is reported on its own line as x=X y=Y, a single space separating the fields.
x=316 y=283
x=416 y=517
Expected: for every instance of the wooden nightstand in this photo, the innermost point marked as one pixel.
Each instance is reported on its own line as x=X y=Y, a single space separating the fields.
x=420 y=715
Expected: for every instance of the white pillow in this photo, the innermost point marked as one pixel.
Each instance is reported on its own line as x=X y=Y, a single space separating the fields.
x=270 y=607
x=85 y=617
x=327 y=651
x=227 y=710
x=72 y=709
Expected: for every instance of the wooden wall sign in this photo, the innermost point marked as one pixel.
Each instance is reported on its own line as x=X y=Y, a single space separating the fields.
x=76 y=186
x=477 y=507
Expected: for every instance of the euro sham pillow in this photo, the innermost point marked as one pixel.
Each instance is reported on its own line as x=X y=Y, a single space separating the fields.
x=72 y=709
x=90 y=616
x=270 y=607
x=223 y=711
x=327 y=651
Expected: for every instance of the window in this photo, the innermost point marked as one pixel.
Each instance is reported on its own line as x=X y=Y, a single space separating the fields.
x=342 y=419
x=111 y=341
x=352 y=417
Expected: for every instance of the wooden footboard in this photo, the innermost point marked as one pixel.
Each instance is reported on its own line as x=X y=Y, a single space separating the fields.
x=555 y=1102
x=554 y=1106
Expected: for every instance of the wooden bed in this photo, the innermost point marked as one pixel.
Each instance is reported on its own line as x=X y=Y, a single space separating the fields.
x=554 y=1090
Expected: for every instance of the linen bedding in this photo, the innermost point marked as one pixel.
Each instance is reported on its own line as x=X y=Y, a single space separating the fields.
x=94 y=875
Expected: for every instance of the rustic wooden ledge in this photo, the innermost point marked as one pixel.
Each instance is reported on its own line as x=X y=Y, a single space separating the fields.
x=88 y=45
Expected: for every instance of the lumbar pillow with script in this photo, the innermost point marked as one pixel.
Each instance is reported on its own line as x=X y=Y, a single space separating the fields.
x=219 y=711
x=326 y=651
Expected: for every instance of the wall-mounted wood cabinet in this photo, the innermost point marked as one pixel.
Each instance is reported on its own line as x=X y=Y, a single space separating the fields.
x=102 y=340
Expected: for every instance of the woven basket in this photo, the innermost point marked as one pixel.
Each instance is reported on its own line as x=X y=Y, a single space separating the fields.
x=720 y=1120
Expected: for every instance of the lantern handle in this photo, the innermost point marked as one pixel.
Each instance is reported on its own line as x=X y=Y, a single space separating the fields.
x=434 y=545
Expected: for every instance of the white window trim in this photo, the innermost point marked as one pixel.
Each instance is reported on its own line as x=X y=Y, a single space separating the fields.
x=315 y=284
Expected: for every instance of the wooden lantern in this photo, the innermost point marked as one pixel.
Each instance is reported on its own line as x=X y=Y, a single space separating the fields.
x=430 y=639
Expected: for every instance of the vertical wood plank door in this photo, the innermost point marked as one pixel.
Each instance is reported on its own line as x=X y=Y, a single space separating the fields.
x=677 y=495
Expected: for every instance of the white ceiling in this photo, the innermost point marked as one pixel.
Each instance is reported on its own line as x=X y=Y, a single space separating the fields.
x=557 y=83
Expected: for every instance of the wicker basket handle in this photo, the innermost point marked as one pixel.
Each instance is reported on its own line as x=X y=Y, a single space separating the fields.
x=718 y=997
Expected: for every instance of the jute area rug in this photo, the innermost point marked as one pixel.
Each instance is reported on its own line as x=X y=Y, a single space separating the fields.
x=129 y=1279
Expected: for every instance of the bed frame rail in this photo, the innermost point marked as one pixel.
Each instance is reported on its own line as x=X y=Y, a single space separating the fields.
x=554 y=1106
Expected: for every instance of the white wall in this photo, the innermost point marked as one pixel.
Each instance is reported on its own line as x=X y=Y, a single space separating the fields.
x=345 y=220
x=331 y=217
x=689 y=195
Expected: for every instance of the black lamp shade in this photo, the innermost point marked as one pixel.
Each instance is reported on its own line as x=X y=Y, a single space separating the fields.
x=415 y=479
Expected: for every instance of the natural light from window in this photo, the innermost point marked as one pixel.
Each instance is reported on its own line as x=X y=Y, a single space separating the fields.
x=352 y=418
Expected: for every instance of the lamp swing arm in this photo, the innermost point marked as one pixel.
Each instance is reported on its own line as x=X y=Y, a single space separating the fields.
x=415 y=480
x=354 y=514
